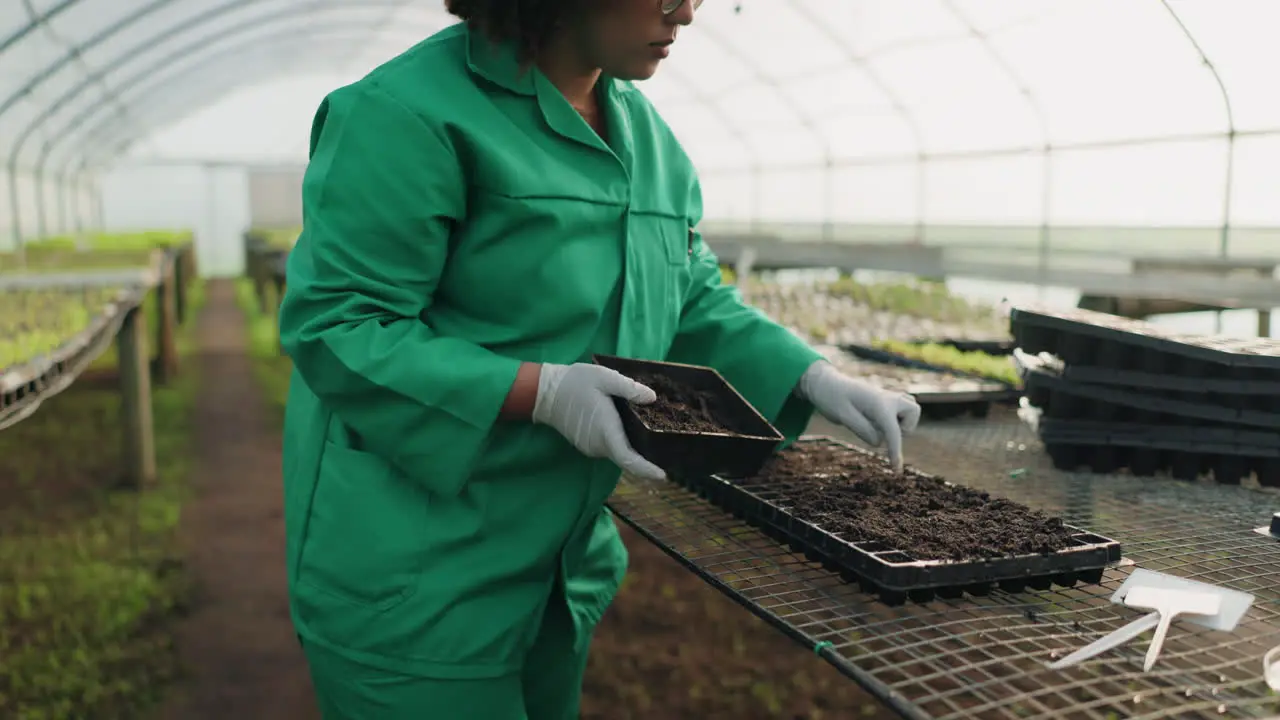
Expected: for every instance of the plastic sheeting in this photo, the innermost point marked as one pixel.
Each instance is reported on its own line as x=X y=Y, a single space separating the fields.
x=1059 y=112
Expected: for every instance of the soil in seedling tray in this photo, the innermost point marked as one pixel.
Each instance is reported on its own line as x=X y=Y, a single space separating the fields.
x=680 y=408
x=860 y=499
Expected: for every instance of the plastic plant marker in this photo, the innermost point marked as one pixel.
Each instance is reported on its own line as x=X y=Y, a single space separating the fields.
x=1169 y=603
x=1233 y=605
x=1234 y=602
x=1109 y=642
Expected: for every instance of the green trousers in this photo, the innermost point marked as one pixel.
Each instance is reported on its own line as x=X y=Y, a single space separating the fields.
x=548 y=688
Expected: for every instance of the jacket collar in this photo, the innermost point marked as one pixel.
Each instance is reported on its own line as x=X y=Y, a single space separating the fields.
x=498 y=63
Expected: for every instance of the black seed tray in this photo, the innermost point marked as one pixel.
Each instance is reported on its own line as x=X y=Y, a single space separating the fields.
x=1240 y=395
x=1084 y=337
x=1185 y=452
x=680 y=453
x=894 y=576
x=944 y=402
x=867 y=352
x=990 y=347
x=1064 y=399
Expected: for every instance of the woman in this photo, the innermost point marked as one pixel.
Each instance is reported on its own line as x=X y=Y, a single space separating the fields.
x=482 y=213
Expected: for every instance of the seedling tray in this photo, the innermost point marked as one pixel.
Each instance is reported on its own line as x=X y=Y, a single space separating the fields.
x=867 y=352
x=740 y=449
x=1064 y=399
x=990 y=347
x=943 y=401
x=1085 y=337
x=1185 y=452
x=888 y=572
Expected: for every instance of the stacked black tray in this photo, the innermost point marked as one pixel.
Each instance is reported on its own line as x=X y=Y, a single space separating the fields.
x=1117 y=393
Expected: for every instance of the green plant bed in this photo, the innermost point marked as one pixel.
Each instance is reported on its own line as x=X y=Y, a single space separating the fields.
x=89 y=574
x=37 y=322
x=140 y=240
x=945 y=356
x=924 y=299
x=276 y=238
x=271 y=367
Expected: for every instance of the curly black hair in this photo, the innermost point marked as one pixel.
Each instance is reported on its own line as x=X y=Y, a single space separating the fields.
x=528 y=23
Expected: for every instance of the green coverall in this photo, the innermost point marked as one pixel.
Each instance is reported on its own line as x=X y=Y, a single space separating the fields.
x=459 y=218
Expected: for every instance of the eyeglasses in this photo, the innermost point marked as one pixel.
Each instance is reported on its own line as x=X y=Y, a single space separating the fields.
x=670 y=6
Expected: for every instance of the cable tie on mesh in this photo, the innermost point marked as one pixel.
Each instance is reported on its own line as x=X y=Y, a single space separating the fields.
x=824 y=645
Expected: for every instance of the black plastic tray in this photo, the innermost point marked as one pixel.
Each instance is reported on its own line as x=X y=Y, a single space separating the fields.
x=1085 y=337
x=889 y=573
x=942 y=401
x=697 y=453
x=990 y=347
x=1065 y=399
x=867 y=352
x=1185 y=452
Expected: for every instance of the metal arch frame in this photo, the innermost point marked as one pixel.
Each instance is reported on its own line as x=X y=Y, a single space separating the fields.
x=63 y=133
x=134 y=52
x=168 y=92
x=895 y=101
x=101 y=132
x=763 y=78
x=1231 y=135
x=213 y=80
x=34 y=22
x=179 y=80
x=754 y=165
x=121 y=24
x=1042 y=118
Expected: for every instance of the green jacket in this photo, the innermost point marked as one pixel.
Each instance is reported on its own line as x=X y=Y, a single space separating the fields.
x=459 y=218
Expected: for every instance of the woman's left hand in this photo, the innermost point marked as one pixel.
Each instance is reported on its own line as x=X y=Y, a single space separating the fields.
x=873 y=414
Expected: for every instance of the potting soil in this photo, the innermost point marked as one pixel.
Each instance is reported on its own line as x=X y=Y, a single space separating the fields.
x=861 y=500
x=680 y=408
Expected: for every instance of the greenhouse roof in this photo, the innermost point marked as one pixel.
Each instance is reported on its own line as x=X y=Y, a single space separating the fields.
x=1143 y=99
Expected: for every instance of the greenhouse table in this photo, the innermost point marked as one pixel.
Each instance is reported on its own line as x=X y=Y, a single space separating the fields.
x=986 y=656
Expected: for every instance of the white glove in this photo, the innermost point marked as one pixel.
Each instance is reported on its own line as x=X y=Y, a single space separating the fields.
x=577 y=400
x=872 y=413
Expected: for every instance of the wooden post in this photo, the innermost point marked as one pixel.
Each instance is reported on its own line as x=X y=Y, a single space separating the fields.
x=1264 y=323
x=180 y=280
x=166 y=328
x=135 y=405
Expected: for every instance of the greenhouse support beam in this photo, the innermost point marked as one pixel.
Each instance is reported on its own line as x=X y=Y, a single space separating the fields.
x=1228 y=189
x=899 y=106
x=135 y=51
x=34 y=23
x=1042 y=120
x=284 y=37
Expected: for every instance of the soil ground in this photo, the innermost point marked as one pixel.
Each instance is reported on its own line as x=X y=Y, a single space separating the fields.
x=237 y=644
x=670 y=648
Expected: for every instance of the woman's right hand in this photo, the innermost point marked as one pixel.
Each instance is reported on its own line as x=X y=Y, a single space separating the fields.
x=577 y=400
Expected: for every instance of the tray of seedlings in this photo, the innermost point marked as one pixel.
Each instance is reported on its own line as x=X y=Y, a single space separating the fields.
x=1119 y=394
x=699 y=424
x=930 y=356
x=908 y=536
x=846 y=311
x=998 y=348
x=941 y=394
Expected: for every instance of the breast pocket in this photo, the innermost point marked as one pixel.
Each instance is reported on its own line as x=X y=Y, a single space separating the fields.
x=658 y=277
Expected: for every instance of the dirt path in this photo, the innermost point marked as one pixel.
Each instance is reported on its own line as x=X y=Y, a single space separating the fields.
x=237 y=644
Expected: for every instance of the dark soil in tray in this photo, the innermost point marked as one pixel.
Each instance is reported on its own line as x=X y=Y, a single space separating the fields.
x=680 y=408
x=860 y=499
